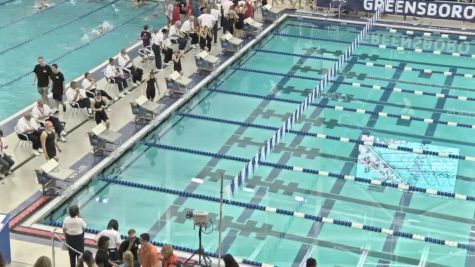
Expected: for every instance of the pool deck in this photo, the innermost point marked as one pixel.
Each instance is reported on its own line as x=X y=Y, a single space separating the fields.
x=22 y=191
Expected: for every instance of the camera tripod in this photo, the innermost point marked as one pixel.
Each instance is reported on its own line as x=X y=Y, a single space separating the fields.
x=203 y=259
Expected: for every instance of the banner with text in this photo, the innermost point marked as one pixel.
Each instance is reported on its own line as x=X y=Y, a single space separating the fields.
x=428 y=9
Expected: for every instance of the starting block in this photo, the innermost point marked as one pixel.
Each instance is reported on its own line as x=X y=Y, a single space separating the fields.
x=103 y=140
x=206 y=62
x=53 y=179
x=269 y=13
x=144 y=110
x=230 y=44
x=177 y=84
x=251 y=27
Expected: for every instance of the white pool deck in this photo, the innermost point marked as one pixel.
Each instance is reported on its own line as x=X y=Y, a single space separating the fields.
x=21 y=186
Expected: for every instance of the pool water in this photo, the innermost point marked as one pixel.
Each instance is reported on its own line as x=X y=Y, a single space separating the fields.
x=231 y=118
x=58 y=34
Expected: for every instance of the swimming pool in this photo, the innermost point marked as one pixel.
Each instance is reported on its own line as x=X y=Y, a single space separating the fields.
x=58 y=34
x=389 y=94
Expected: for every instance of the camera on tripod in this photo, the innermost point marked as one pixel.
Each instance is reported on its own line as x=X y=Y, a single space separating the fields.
x=200 y=218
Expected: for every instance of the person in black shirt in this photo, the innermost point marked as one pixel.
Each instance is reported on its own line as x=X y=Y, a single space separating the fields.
x=131 y=244
x=146 y=36
x=99 y=107
x=42 y=74
x=58 y=86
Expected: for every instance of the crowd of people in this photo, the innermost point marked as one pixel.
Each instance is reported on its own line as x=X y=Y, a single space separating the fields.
x=112 y=251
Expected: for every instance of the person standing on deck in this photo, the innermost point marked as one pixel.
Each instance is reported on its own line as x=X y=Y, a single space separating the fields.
x=42 y=76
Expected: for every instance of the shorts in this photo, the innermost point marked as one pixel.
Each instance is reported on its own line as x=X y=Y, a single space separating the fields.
x=43 y=90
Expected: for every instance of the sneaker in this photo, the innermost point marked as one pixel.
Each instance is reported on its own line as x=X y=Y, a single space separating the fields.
x=36 y=152
x=63 y=133
x=115 y=99
x=121 y=95
x=126 y=92
x=62 y=139
x=40 y=150
x=134 y=84
x=139 y=82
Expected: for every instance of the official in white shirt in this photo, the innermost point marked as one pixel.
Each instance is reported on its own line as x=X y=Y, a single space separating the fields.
x=166 y=48
x=128 y=65
x=89 y=85
x=76 y=95
x=112 y=232
x=117 y=77
x=73 y=229
x=28 y=126
x=177 y=36
x=42 y=113
x=188 y=28
x=210 y=21
x=157 y=39
x=6 y=161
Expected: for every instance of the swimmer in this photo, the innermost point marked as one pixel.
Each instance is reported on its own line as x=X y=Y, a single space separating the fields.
x=96 y=32
x=40 y=4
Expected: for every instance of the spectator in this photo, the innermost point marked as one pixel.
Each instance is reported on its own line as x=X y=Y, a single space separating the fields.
x=90 y=86
x=57 y=79
x=151 y=86
x=28 y=126
x=168 y=258
x=128 y=66
x=157 y=40
x=102 y=255
x=145 y=36
x=205 y=38
x=43 y=113
x=116 y=76
x=229 y=261
x=99 y=107
x=177 y=36
x=166 y=48
x=43 y=261
x=79 y=97
x=48 y=142
x=6 y=161
x=128 y=259
x=188 y=28
x=148 y=255
x=131 y=244
x=207 y=19
x=177 y=61
x=114 y=239
x=73 y=229
x=87 y=260
x=42 y=74
x=311 y=262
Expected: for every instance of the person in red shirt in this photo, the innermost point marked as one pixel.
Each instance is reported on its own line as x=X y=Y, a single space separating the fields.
x=148 y=253
x=168 y=258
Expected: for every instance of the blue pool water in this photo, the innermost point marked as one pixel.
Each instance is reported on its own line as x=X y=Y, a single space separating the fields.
x=150 y=187
x=58 y=35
